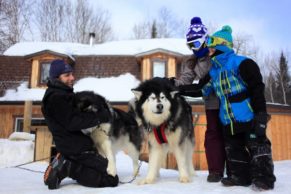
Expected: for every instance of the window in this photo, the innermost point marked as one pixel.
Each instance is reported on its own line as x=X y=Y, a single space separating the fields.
x=44 y=72
x=159 y=69
x=34 y=122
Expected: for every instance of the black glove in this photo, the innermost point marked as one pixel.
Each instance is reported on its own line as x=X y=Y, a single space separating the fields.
x=190 y=90
x=170 y=79
x=260 y=122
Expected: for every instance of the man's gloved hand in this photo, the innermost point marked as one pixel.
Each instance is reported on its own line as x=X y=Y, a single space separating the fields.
x=171 y=80
x=260 y=122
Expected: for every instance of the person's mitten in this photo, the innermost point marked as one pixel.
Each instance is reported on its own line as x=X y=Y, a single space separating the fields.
x=260 y=122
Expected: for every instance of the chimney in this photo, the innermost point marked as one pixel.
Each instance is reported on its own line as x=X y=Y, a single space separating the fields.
x=91 y=38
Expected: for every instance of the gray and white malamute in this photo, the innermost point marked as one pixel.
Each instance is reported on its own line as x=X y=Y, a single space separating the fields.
x=167 y=118
x=120 y=133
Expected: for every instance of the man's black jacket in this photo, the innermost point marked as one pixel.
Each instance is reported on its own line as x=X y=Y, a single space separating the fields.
x=65 y=121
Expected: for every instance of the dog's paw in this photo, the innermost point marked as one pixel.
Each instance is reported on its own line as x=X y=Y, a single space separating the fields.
x=146 y=181
x=111 y=170
x=184 y=179
x=193 y=173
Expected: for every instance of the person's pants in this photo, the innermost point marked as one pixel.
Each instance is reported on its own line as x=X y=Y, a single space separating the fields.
x=250 y=158
x=90 y=178
x=214 y=143
x=89 y=169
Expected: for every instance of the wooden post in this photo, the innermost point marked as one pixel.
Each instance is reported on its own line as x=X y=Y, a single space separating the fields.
x=27 y=116
x=43 y=144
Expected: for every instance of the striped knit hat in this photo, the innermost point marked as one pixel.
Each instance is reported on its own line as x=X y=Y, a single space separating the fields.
x=224 y=33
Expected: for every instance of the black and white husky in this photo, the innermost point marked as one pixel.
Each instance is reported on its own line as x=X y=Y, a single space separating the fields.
x=120 y=133
x=168 y=120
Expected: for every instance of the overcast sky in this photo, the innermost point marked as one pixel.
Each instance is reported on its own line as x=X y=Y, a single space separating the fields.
x=267 y=21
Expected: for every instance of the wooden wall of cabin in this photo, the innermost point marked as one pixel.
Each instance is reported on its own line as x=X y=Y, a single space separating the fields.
x=279 y=131
x=8 y=113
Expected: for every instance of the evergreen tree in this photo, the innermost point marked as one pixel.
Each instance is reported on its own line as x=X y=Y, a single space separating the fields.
x=154 y=33
x=283 y=79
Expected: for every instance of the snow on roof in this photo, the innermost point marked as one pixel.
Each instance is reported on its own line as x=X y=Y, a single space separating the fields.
x=117 y=89
x=28 y=48
x=125 y=47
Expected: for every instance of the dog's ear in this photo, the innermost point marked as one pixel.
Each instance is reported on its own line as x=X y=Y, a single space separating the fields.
x=173 y=93
x=109 y=107
x=136 y=93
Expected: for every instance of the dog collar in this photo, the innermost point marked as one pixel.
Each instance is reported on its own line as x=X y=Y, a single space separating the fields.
x=160 y=133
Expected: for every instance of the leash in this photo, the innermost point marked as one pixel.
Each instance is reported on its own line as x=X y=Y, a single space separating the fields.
x=139 y=164
x=27 y=169
x=135 y=175
x=42 y=172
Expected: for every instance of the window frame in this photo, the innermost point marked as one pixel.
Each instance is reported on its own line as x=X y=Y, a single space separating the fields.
x=153 y=61
x=41 y=64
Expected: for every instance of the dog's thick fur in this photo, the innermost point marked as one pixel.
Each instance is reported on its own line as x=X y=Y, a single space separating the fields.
x=121 y=132
x=158 y=103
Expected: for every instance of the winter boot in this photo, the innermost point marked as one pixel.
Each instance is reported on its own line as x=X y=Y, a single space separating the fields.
x=232 y=181
x=57 y=170
x=260 y=186
x=214 y=177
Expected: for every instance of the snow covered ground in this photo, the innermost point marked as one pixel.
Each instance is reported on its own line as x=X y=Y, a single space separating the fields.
x=15 y=180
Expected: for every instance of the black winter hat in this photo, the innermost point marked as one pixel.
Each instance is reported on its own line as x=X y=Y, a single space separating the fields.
x=59 y=67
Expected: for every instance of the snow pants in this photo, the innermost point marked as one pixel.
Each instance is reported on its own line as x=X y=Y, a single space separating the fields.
x=250 y=158
x=214 y=143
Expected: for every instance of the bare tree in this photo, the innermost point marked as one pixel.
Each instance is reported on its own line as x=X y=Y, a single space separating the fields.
x=270 y=88
x=142 y=30
x=100 y=25
x=269 y=77
x=14 y=21
x=244 y=45
x=167 y=26
x=166 y=23
x=79 y=22
x=85 y=20
x=50 y=19
x=60 y=20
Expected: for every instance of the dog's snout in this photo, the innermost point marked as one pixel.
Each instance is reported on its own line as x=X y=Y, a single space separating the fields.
x=160 y=107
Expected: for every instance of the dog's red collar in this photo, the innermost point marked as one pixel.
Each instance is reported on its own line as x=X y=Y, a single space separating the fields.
x=160 y=133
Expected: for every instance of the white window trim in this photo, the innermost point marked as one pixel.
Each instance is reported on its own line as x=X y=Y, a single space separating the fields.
x=17 y=121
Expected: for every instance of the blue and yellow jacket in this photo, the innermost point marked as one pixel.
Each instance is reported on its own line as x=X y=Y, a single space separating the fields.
x=237 y=82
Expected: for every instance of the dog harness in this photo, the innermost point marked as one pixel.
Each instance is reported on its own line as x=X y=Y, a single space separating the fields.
x=160 y=133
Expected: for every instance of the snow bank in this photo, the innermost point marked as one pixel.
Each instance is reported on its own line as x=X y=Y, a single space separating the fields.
x=15 y=152
x=17 y=136
x=23 y=93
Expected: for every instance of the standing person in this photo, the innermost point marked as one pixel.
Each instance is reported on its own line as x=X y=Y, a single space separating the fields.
x=196 y=67
x=237 y=82
x=77 y=157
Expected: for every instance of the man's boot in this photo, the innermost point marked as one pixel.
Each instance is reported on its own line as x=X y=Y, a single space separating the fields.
x=57 y=170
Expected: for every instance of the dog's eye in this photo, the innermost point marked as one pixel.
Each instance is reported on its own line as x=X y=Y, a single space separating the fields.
x=162 y=97
x=153 y=98
x=94 y=109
